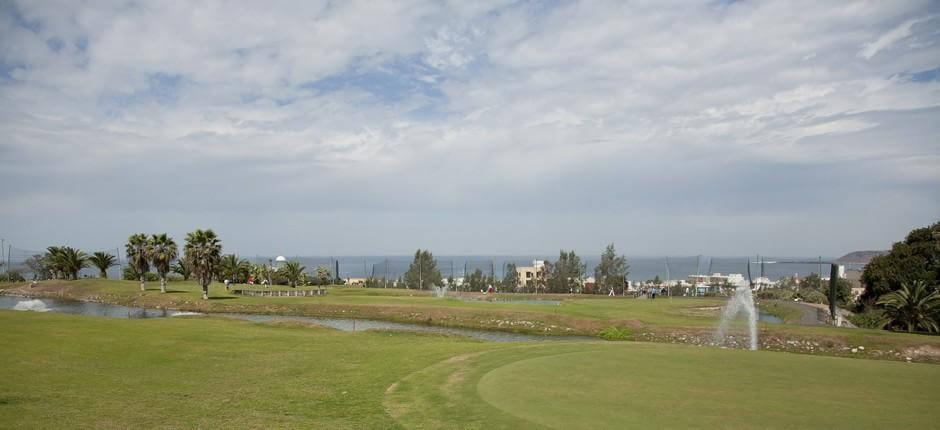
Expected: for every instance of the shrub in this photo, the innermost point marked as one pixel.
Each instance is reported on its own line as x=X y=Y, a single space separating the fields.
x=614 y=333
x=870 y=319
x=775 y=294
x=812 y=296
x=12 y=276
x=131 y=275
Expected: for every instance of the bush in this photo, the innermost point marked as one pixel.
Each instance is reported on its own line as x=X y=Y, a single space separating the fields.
x=812 y=296
x=12 y=276
x=775 y=294
x=131 y=275
x=875 y=319
x=614 y=333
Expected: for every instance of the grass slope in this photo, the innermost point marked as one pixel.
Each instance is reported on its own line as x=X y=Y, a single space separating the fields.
x=85 y=372
x=687 y=320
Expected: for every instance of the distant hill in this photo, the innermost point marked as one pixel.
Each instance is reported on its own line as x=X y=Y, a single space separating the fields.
x=859 y=257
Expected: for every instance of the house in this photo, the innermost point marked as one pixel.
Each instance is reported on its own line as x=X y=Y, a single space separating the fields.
x=529 y=274
x=734 y=279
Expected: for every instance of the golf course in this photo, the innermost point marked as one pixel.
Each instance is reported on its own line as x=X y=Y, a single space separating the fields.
x=211 y=370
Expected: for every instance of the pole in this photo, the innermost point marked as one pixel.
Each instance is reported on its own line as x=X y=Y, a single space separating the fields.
x=833 y=274
x=386 y=273
x=6 y=269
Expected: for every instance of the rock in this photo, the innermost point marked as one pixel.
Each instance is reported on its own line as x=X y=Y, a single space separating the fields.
x=861 y=348
x=854 y=350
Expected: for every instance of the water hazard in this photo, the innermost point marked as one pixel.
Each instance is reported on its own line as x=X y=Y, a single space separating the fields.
x=344 y=324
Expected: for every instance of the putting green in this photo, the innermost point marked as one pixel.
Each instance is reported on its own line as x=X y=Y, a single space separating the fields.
x=643 y=385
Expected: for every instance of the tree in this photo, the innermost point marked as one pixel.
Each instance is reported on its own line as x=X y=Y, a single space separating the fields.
x=183 y=267
x=422 y=273
x=612 y=271
x=163 y=250
x=52 y=261
x=37 y=265
x=915 y=258
x=294 y=272
x=102 y=260
x=323 y=276
x=913 y=306
x=511 y=278
x=814 y=290
x=203 y=251
x=229 y=267
x=476 y=281
x=138 y=250
x=70 y=261
x=564 y=275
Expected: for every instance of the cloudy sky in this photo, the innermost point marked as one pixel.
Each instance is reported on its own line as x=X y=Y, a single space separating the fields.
x=481 y=127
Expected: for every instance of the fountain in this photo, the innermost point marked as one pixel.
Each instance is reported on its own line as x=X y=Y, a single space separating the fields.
x=741 y=301
x=31 y=305
x=439 y=291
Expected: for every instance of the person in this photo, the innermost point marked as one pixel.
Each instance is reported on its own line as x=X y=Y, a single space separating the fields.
x=226 y=284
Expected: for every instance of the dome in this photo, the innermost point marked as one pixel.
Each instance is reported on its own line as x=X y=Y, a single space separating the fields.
x=280 y=258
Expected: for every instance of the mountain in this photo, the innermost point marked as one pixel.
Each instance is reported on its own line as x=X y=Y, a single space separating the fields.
x=859 y=257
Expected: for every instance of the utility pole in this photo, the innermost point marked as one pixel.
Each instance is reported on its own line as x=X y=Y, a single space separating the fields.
x=6 y=269
x=386 y=273
x=833 y=274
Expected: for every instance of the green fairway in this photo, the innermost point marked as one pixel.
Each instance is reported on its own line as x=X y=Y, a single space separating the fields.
x=61 y=371
x=668 y=320
x=71 y=371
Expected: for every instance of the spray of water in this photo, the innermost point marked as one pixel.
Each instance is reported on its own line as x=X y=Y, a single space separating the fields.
x=31 y=305
x=439 y=291
x=741 y=301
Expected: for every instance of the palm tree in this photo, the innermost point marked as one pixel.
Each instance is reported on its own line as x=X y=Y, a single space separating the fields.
x=913 y=306
x=138 y=251
x=243 y=270
x=163 y=251
x=204 y=251
x=183 y=267
x=293 y=271
x=52 y=260
x=228 y=267
x=102 y=260
x=71 y=261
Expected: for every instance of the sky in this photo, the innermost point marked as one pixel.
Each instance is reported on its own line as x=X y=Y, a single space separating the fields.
x=783 y=128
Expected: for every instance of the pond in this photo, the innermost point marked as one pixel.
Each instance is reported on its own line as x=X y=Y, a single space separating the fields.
x=344 y=324
x=765 y=317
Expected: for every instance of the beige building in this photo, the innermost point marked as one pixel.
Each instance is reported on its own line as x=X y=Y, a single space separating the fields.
x=528 y=274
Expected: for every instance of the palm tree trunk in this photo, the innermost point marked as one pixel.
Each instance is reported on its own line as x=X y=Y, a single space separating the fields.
x=163 y=284
x=205 y=290
x=103 y=274
x=142 y=283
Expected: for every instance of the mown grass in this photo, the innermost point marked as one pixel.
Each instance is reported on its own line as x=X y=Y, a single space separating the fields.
x=87 y=372
x=576 y=315
x=666 y=386
x=61 y=371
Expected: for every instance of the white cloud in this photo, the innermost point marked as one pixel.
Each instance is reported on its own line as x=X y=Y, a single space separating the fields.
x=384 y=106
x=890 y=38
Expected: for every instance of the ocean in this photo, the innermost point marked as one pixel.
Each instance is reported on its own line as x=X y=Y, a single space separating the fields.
x=641 y=268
